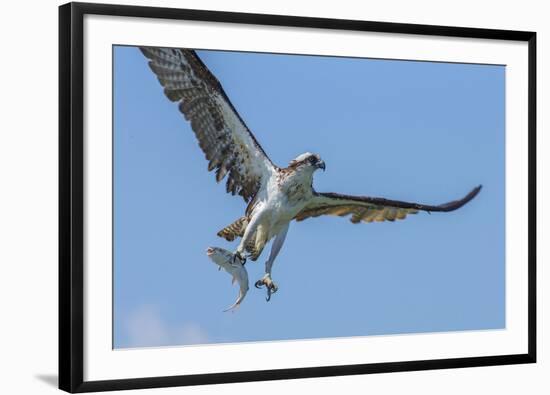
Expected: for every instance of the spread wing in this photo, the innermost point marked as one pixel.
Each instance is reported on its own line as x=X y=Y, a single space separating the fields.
x=226 y=141
x=369 y=209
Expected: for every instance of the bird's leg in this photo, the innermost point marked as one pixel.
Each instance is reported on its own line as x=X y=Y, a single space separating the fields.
x=266 y=279
x=240 y=254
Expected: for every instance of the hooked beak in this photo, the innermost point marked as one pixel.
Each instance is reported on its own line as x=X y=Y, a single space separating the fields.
x=321 y=165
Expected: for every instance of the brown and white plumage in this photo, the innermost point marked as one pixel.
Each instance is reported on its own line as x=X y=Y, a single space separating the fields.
x=275 y=195
x=371 y=209
x=228 y=144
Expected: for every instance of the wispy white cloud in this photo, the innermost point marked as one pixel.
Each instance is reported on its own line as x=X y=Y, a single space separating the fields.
x=144 y=327
x=192 y=333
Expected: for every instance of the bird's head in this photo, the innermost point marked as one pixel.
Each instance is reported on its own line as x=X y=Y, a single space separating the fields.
x=307 y=160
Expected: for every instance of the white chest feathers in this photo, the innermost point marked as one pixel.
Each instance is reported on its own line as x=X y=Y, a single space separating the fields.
x=295 y=184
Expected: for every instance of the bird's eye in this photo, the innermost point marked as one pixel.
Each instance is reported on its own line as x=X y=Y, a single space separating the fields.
x=311 y=159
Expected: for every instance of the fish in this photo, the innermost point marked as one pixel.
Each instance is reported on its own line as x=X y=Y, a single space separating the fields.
x=225 y=260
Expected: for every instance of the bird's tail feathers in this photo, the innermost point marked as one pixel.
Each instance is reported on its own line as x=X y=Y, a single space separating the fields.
x=236 y=229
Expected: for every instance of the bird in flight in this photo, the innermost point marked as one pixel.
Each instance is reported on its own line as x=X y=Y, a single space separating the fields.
x=275 y=196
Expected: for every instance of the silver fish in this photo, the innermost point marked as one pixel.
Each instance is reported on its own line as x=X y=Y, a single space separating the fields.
x=225 y=260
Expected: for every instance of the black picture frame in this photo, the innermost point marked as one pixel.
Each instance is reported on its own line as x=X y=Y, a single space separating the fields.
x=71 y=195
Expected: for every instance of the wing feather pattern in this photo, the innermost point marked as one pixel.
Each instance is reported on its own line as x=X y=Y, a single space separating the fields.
x=372 y=209
x=229 y=146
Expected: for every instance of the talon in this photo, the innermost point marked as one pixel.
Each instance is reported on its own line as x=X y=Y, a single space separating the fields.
x=270 y=286
x=240 y=257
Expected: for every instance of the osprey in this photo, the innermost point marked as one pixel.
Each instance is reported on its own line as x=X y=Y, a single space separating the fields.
x=275 y=195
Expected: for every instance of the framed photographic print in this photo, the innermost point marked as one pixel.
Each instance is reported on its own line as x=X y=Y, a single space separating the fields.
x=250 y=197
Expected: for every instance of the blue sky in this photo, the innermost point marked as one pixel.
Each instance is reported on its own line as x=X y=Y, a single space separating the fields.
x=416 y=131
